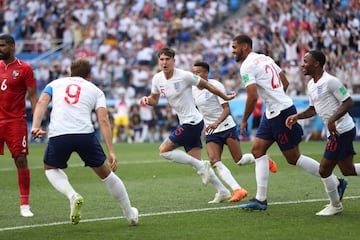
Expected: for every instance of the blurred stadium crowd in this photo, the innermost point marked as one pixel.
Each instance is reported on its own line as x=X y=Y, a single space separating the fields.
x=121 y=37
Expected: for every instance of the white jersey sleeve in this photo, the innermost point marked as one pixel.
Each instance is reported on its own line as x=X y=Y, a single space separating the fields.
x=178 y=92
x=326 y=95
x=264 y=72
x=210 y=107
x=73 y=100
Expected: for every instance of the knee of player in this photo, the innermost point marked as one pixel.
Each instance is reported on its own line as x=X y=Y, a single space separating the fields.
x=21 y=162
x=162 y=149
x=325 y=171
x=292 y=158
x=213 y=161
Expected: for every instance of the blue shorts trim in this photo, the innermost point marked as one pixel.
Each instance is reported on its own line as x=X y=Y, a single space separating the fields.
x=220 y=137
x=87 y=146
x=341 y=147
x=274 y=129
x=188 y=136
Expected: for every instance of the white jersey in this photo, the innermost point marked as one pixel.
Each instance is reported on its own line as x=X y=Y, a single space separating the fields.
x=73 y=100
x=264 y=72
x=210 y=107
x=178 y=92
x=326 y=95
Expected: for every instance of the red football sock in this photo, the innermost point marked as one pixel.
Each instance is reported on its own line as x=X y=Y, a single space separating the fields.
x=24 y=185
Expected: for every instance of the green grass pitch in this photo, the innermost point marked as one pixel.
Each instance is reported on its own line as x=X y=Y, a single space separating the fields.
x=173 y=202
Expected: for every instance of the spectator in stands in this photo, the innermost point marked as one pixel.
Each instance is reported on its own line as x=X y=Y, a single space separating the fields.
x=149 y=119
x=343 y=35
x=293 y=74
x=55 y=72
x=135 y=124
x=121 y=112
x=42 y=73
x=140 y=79
x=133 y=27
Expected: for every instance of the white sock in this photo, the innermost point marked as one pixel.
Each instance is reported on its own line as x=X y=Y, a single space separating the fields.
x=308 y=164
x=226 y=175
x=179 y=156
x=118 y=191
x=262 y=177
x=247 y=158
x=214 y=180
x=331 y=184
x=357 y=169
x=60 y=182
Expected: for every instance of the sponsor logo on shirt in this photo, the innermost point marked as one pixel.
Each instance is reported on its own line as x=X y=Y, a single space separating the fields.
x=245 y=78
x=343 y=90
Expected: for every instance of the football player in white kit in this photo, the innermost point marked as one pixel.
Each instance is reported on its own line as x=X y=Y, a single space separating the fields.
x=220 y=130
x=176 y=86
x=71 y=130
x=329 y=98
x=263 y=77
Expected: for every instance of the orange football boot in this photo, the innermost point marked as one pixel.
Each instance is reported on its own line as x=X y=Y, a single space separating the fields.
x=272 y=166
x=238 y=195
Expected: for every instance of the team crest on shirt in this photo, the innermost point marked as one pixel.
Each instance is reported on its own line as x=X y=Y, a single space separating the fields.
x=207 y=95
x=15 y=74
x=177 y=86
x=319 y=90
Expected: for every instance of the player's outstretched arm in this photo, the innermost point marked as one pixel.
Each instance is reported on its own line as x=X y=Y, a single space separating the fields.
x=39 y=112
x=205 y=84
x=151 y=100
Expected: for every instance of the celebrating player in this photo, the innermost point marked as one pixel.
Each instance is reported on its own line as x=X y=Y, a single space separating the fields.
x=329 y=98
x=176 y=85
x=71 y=130
x=263 y=77
x=220 y=129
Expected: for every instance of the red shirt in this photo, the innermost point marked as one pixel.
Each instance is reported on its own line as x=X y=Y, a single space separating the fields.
x=14 y=80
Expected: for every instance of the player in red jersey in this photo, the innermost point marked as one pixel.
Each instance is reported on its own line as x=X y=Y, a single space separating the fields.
x=16 y=79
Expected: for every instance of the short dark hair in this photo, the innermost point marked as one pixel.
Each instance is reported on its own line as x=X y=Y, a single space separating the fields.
x=80 y=67
x=8 y=38
x=318 y=56
x=202 y=64
x=167 y=51
x=243 y=39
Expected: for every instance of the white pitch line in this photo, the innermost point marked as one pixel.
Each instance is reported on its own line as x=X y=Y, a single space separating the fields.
x=162 y=213
x=82 y=165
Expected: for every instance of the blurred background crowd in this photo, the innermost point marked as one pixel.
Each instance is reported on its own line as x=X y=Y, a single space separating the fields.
x=121 y=38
